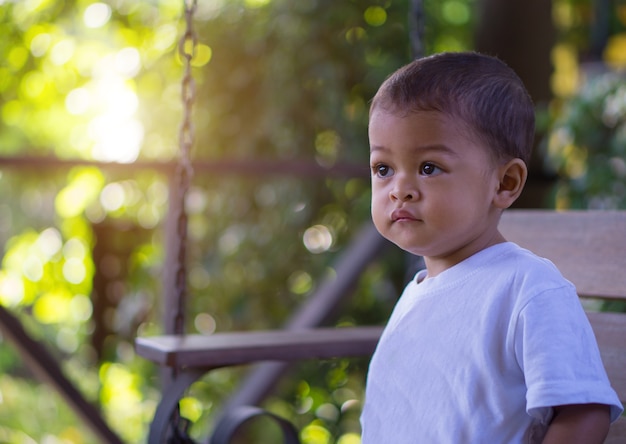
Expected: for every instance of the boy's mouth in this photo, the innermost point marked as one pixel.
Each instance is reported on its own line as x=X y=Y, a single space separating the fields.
x=402 y=215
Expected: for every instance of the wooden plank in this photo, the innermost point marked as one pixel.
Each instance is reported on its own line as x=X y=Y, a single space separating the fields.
x=226 y=349
x=610 y=331
x=589 y=247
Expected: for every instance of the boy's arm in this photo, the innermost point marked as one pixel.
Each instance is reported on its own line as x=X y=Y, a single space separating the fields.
x=579 y=424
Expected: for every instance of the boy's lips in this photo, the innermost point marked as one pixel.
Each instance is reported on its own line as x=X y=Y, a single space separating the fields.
x=401 y=215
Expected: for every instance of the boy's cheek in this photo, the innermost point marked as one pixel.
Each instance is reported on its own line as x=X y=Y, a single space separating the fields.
x=376 y=201
x=378 y=213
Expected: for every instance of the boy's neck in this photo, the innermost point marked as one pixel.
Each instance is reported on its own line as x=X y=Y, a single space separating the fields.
x=436 y=265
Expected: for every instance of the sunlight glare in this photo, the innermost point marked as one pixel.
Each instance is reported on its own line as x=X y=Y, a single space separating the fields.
x=117 y=139
x=74 y=249
x=97 y=15
x=78 y=101
x=11 y=289
x=164 y=37
x=74 y=271
x=40 y=44
x=117 y=97
x=128 y=62
x=112 y=197
x=116 y=134
x=81 y=308
x=62 y=52
x=32 y=268
x=79 y=193
x=209 y=9
x=49 y=242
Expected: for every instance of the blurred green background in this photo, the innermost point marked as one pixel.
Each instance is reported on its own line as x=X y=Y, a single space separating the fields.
x=278 y=81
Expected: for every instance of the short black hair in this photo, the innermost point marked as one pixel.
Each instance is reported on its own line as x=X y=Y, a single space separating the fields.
x=480 y=90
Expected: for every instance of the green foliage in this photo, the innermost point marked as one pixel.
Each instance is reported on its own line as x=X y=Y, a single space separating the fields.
x=83 y=248
x=587 y=146
x=449 y=25
x=26 y=406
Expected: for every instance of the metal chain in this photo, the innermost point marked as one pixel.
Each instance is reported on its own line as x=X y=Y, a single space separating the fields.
x=184 y=173
x=416 y=28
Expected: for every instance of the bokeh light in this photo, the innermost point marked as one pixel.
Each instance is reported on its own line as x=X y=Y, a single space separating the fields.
x=317 y=239
x=97 y=15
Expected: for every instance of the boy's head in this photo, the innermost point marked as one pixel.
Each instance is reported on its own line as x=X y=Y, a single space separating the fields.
x=480 y=91
x=450 y=137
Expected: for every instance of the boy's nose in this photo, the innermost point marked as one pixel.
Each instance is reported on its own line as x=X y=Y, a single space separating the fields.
x=403 y=193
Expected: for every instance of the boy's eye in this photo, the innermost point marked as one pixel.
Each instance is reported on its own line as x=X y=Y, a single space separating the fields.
x=429 y=169
x=381 y=170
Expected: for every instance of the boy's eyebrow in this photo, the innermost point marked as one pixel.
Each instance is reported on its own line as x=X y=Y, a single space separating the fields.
x=378 y=148
x=423 y=148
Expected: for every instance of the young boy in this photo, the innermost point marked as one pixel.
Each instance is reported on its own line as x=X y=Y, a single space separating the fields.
x=489 y=344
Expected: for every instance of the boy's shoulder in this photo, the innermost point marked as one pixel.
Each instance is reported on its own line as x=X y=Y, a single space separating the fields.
x=501 y=267
x=514 y=256
x=503 y=273
x=511 y=255
x=521 y=268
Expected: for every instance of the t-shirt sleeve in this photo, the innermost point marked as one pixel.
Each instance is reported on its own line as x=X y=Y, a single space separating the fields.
x=557 y=350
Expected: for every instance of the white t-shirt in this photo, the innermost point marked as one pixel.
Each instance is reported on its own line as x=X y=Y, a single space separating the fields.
x=480 y=353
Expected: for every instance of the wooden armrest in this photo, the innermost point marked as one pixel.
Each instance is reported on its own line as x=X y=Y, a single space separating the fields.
x=228 y=349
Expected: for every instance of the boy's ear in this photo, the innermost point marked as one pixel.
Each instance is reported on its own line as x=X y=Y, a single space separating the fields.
x=512 y=177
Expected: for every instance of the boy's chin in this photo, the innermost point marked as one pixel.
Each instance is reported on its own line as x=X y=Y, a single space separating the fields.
x=409 y=247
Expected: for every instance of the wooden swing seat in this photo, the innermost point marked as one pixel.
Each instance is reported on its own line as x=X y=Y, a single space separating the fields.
x=589 y=247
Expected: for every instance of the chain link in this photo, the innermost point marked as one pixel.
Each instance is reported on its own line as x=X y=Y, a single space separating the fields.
x=184 y=173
